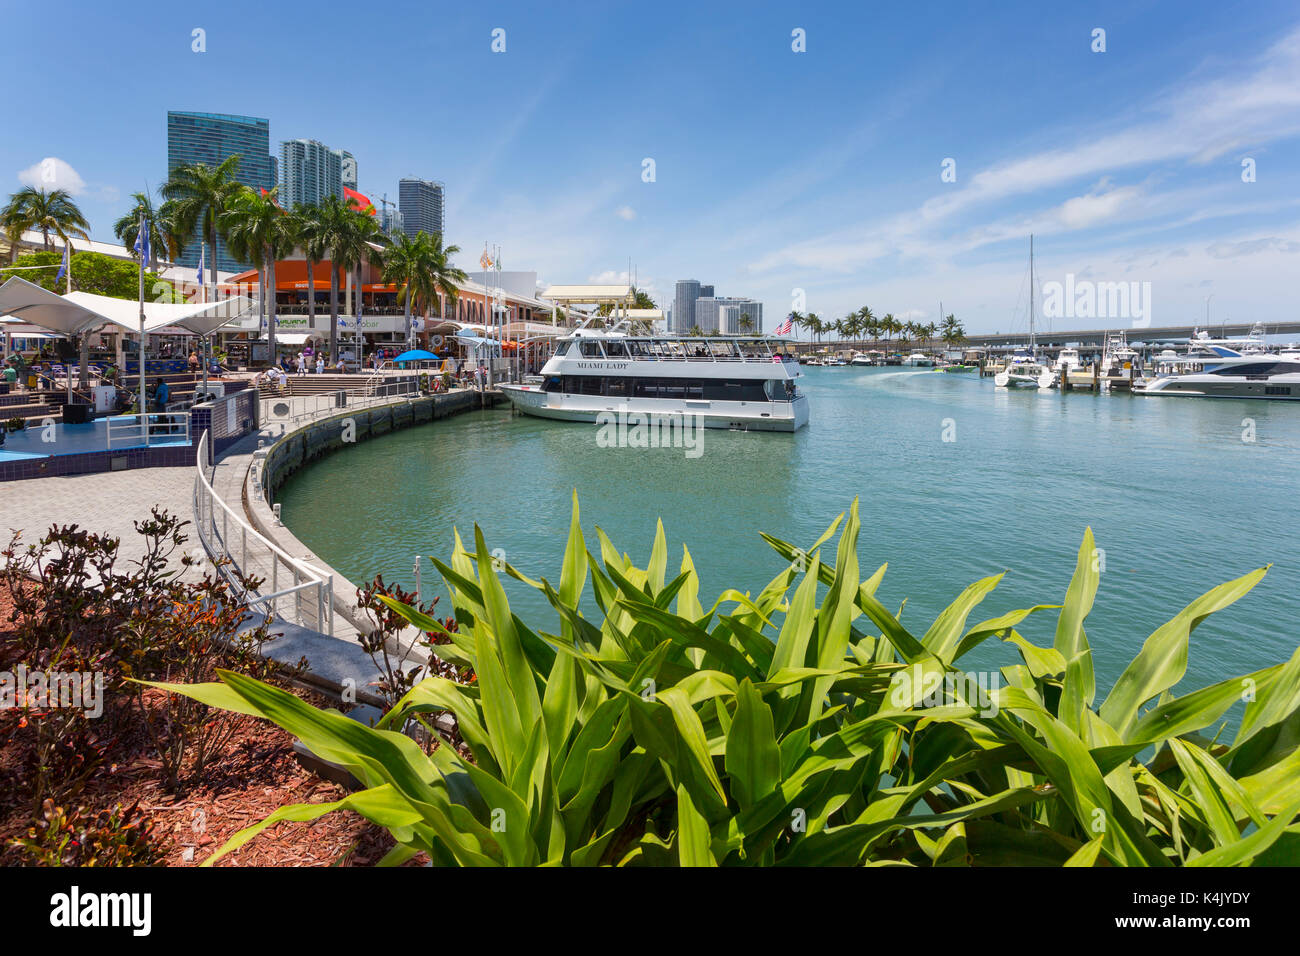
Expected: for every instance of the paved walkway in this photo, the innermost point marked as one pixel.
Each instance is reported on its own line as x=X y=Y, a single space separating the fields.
x=107 y=502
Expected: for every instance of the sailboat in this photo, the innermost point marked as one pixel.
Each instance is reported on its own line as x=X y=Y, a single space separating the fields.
x=1025 y=370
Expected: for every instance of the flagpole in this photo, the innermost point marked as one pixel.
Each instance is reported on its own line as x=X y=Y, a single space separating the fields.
x=203 y=340
x=144 y=416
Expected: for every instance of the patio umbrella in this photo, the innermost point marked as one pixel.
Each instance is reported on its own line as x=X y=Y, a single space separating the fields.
x=416 y=355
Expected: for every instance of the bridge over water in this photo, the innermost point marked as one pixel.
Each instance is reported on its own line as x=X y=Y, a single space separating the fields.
x=1084 y=338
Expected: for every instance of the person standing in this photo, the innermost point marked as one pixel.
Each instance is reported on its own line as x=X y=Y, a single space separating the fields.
x=320 y=364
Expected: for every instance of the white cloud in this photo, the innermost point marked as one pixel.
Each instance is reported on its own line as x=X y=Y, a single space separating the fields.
x=1195 y=123
x=1249 y=247
x=626 y=213
x=53 y=173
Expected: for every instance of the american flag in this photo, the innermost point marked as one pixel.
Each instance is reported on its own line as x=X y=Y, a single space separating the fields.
x=787 y=326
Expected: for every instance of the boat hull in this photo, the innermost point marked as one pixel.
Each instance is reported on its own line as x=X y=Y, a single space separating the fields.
x=747 y=416
x=1280 y=389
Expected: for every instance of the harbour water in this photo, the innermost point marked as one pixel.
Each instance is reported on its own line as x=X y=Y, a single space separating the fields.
x=956 y=480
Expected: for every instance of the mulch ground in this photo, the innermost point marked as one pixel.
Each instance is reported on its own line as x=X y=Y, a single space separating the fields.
x=256 y=774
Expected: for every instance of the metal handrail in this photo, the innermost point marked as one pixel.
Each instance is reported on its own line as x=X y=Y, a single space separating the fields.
x=156 y=424
x=217 y=542
x=364 y=397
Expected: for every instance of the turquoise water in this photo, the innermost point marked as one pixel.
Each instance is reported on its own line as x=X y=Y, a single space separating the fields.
x=1177 y=500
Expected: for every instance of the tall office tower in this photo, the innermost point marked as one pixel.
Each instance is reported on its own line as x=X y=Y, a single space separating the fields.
x=211 y=138
x=686 y=292
x=309 y=171
x=347 y=168
x=706 y=292
x=421 y=205
x=726 y=315
x=390 y=220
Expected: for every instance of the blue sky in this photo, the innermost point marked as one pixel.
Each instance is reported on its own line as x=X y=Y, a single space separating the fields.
x=775 y=171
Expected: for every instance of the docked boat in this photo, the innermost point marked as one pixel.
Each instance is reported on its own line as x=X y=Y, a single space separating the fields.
x=1216 y=371
x=919 y=359
x=1025 y=369
x=861 y=359
x=1067 y=360
x=1117 y=358
x=744 y=383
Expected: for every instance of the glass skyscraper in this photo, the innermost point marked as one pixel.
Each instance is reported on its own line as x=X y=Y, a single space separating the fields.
x=211 y=138
x=310 y=171
x=421 y=205
x=725 y=315
x=687 y=291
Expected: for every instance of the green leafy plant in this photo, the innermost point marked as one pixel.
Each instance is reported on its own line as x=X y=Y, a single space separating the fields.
x=802 y=726
x=117 y=837
x=16 y=424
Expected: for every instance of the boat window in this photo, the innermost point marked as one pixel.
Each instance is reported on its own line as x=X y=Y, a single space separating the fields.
x=615 y=348
x=695 y=389
x=553 y=384
x=1254 y=368
x=591 y=348
x=562 y=347
x=616 y=387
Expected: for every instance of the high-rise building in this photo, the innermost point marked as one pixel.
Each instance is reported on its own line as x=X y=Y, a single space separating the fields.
x=706 y=292
x=211 y=139
x=347 y=168
x=687 y=291
x=421 y=205
x=390 y=220
x=309 y=171
x=725 y=315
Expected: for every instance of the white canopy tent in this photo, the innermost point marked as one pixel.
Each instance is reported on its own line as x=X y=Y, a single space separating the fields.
x=79 y=312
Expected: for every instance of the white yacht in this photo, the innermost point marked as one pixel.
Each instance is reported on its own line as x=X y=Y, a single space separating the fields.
x=1067 y=359
x=1117 y=357
x=919 y=359
x=866 y=358
x=720 y=381
x=1024 y=370
x=1216 y=371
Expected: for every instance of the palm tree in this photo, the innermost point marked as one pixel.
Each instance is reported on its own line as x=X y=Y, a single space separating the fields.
x=952 y=331
x=305 y=225
x=331 y=232
x=446 y=277
x=868 y=323
x=746 y=323
x=257 y=229
x=930 y=329
x=163 y=233
x=419 y=265
x=198 y=194
x=49 y=212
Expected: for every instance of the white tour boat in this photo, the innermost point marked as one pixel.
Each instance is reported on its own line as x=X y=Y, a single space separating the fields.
x=740 y=382
x=919 y=359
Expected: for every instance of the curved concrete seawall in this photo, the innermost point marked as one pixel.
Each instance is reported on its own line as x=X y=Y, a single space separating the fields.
x=299 y=446
x=352 y=426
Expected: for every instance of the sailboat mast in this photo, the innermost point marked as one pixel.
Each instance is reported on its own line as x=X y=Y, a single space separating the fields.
x=1031 y=294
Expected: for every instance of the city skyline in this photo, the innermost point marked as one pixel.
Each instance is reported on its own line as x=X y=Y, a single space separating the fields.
x=830 y=186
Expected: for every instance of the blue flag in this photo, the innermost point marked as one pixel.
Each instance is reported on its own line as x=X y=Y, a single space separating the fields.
x=63 y=266
x=141 y=246
x=202 y=250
